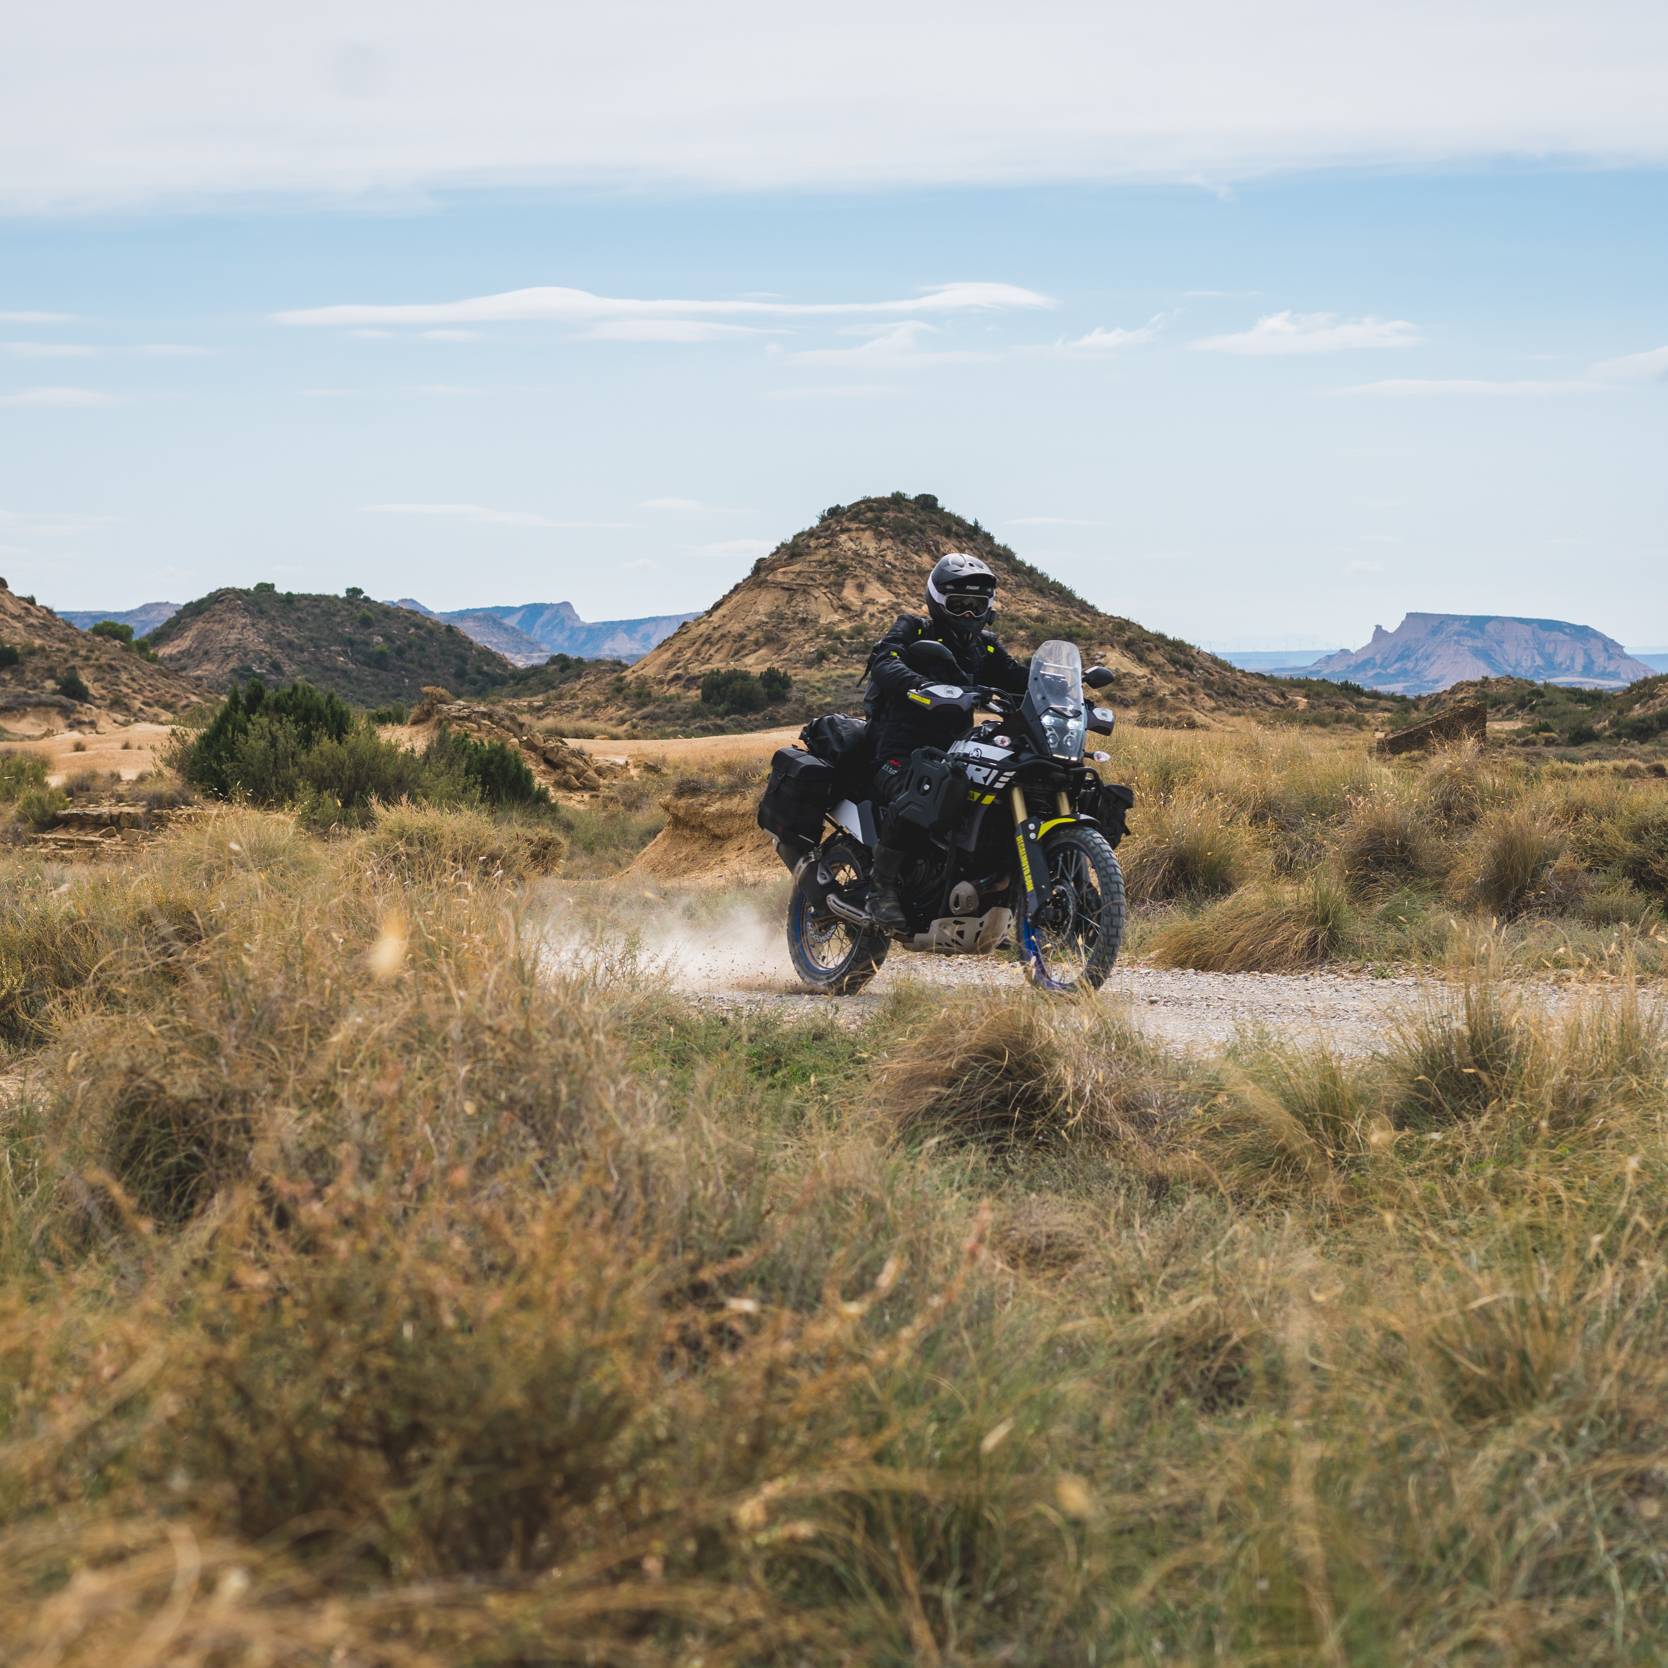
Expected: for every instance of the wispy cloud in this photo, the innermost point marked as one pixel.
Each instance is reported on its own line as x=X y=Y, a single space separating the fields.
x=1362 y=565
x=1398 y=388
x=1103 y=340
x=15 y=316
x=1291 y=333
x=1650 y=366
x=86 y=350
x=63 y=398
x=486 y=514
x=571 y=306
x=46 y=350
x=1287 y=86
x=889 y=347
x=670 y=330
x=450 y=335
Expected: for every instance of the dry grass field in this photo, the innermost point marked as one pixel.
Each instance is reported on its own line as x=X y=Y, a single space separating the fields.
x=377 y=1292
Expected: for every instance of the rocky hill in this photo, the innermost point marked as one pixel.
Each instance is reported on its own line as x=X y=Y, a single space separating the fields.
x=144 y=619
x=815 y=605
x=368 y=652
x=53 y=677
x=1429 y=652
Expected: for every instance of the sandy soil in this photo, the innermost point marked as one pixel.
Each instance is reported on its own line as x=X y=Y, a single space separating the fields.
x=681 y=750
x=129 y=750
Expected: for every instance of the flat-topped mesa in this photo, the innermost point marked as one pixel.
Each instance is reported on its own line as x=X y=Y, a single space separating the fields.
x=1429 y=652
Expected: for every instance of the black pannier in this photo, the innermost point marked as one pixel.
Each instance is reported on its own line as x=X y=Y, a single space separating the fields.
x=934 y=791
x=844 y=743
x=800 y=789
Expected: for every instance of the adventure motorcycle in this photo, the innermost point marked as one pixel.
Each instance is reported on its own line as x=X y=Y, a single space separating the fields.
x=1016 y=834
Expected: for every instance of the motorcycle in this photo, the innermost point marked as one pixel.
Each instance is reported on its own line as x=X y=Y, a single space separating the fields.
x=1016 y=834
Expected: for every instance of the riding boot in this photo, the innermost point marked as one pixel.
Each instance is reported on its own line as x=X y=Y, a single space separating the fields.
x=885 y=907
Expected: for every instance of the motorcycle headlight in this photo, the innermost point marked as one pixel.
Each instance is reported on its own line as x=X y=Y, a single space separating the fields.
x=1064 y=731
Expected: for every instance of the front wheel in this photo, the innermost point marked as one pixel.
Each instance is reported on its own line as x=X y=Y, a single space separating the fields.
x=1074 y=939
x=831 y=955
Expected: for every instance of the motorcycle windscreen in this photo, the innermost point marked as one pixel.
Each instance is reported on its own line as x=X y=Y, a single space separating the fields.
x=1055 y=697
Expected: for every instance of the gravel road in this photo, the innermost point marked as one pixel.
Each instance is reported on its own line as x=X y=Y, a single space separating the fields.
x=729 y=951
x=1350 y=1012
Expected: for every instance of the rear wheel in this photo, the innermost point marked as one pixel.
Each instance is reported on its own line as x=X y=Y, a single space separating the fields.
x=1075 y=937
x=831 y=955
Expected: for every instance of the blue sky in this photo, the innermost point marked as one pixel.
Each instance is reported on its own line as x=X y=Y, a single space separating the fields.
x=1264 y=362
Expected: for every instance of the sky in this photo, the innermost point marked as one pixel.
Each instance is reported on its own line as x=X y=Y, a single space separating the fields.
x=1260 y=325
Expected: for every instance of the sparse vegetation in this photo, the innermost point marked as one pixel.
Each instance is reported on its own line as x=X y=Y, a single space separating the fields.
x=1267 y=851
x=306 y=749
x=72 y=686
x=375 y=1292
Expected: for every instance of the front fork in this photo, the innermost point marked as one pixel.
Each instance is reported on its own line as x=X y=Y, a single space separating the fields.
x=1033 y=868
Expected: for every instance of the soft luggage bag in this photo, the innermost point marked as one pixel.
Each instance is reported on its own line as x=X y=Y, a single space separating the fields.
x=844 y=743
x=799 y=792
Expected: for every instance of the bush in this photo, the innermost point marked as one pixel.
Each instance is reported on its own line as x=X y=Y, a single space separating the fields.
x=9 y=655
x=732 y=691
x=40 y=808
x=115 y=630
x=73 y=686
x=775 y=683
x=19 y=774
x=492 y=771
x=304 y=748
x=392 y=714
x=252 y=746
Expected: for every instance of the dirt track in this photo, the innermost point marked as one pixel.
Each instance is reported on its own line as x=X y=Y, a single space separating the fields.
x=687 y=750
x=729 y=950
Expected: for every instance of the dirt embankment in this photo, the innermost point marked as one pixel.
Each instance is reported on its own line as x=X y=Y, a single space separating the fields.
x=709 y=840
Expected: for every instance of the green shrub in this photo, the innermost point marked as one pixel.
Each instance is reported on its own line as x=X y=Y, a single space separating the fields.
x=307 y=749
x=19 y=773
x=491 y=771
x=114 y=630
x=10 y=655
x=39 y=808
x=391 y=714
x=73 y=686
x=734 y=690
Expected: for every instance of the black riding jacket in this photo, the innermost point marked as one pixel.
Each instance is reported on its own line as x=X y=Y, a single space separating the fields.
x=898 y=725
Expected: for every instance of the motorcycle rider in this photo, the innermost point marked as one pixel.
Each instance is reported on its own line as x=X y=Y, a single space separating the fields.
x=961 y=593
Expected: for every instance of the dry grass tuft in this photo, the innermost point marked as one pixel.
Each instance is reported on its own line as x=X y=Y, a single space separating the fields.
x=1270 y=929
x=1018 y=1074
